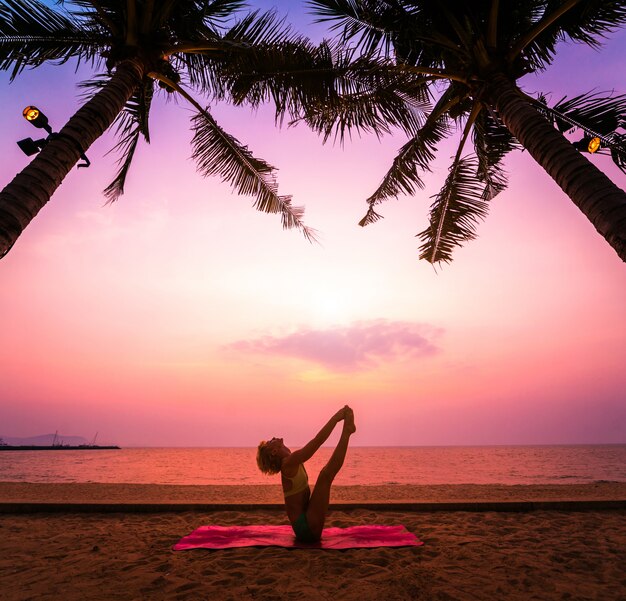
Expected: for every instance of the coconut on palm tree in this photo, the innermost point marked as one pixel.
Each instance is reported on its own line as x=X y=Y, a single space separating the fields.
x=470 y=54
x=148 y=47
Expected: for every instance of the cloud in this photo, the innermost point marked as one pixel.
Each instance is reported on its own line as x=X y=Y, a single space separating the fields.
x=361 y=345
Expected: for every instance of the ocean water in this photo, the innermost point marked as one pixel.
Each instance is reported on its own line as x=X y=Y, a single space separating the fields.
x=363 y=465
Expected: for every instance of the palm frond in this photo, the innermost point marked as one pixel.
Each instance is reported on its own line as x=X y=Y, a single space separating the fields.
x=104 y=15
x=367 y=95
x=202 y=71
x=414 y=157
x=589 y=21
x=554 y=21
x=191 y=19
x=260 y=28
x=132 y=124
x=326 y=87
x=126 y=147
x=380 y=26
x=290 y=72
x=595 y=111
x=455 y=212
x=32 y=33
x=222 y=11
x=90 y=87
x=371 y=23
x=231 y=62
x=531 y=35
x=219 y=153
x=492 y=142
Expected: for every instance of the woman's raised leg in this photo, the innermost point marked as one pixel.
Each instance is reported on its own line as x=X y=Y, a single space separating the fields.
x=320 y=497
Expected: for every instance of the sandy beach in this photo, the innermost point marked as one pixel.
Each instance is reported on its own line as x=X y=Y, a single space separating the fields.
x=490 y=555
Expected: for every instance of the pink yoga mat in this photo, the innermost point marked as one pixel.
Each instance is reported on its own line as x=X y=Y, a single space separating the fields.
x=225 y=537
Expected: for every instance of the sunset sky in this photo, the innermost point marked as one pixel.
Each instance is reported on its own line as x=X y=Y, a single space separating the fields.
x=180 y=316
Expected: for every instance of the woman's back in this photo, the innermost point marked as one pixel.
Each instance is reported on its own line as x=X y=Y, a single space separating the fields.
x=296 y=491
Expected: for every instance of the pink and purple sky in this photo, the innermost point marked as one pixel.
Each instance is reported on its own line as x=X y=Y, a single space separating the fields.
x=179 y=316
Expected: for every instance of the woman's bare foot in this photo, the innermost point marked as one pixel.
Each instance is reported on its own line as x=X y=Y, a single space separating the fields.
x=348 y=423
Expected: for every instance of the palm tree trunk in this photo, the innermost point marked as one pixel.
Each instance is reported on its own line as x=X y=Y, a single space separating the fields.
x=602 y=202
x=31 y=189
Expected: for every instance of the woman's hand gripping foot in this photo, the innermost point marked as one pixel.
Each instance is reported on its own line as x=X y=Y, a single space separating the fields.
x=348 y=423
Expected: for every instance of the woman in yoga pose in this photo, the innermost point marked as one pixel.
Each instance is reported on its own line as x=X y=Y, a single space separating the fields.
x=307 y=510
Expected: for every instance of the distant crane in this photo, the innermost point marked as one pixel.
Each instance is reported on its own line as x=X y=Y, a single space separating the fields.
x=89 y=445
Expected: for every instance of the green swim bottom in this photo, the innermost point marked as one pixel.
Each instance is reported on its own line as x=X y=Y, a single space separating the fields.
x=303 y=531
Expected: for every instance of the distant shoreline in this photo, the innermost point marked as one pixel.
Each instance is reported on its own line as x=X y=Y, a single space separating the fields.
x=56 y=447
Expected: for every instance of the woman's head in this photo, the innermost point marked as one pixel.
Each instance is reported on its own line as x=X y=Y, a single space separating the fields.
x=267 y=456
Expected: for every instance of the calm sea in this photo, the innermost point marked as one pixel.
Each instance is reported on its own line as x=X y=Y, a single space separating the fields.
x=364 y=465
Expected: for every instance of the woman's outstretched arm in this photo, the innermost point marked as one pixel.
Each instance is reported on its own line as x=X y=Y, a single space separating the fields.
x=309 y=449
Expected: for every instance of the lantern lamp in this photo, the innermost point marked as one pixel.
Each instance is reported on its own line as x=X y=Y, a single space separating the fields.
x=594 y=145
x=30 y=147
x=588 y=144
x=34 y=116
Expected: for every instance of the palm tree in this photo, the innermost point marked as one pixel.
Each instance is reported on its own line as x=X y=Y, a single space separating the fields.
x=149 y=47
x=470 y=54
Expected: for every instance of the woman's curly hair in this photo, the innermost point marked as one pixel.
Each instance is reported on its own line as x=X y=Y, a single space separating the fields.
x=268 y=463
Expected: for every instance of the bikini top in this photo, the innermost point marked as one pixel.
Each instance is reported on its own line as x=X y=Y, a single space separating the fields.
x=298 y=483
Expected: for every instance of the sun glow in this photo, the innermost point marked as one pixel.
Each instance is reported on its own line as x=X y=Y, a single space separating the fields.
x=331 y=306
x=316 y=375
